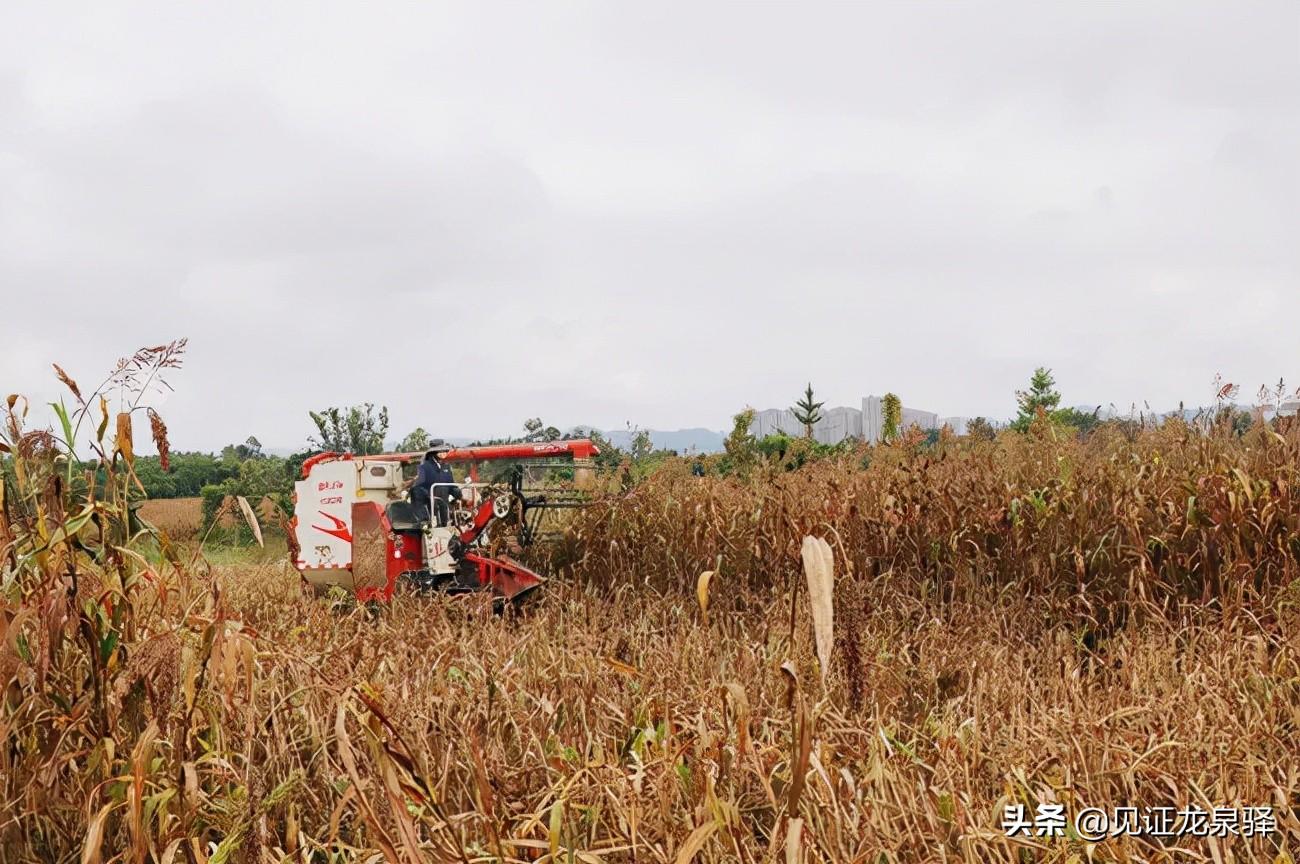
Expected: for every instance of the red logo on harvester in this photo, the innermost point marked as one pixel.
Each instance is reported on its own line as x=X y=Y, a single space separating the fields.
x=340 y=530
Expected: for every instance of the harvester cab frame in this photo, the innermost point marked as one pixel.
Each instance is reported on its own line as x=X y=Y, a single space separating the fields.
x=354 y=527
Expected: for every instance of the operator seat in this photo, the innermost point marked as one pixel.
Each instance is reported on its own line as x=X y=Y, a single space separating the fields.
x=406 y=518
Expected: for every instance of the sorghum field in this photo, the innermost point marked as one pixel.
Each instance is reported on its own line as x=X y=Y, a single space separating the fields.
x=1102 y=622
x=181 y=518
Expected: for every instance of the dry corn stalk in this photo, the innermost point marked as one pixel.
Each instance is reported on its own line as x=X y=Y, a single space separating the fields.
x=817 y=568
x=124 y=442
x=250 y=517
x=702 y=593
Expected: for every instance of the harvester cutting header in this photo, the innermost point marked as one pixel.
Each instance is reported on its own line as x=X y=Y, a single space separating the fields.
x=354 y=526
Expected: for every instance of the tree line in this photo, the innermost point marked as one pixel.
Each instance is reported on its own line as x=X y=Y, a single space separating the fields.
x=245 y=469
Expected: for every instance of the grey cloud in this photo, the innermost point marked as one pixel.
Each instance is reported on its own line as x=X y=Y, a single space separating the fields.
x=225 y=174
x=654 y=213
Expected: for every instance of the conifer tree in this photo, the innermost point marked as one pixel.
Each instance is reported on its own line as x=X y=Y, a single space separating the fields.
x=808 y=412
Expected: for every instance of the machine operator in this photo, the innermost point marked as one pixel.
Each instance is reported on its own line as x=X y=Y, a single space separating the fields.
x=433 y=486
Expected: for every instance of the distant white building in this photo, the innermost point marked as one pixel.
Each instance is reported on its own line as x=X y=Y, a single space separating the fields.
x=774 y=420
x=956 y=424
x=839 y=423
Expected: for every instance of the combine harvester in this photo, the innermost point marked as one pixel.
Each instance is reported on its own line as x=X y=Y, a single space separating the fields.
x=353 y=527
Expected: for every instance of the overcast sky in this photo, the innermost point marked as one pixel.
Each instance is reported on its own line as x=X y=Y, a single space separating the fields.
x=651 y=212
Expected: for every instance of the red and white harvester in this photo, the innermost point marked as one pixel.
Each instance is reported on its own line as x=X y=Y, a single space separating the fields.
x=354 y=528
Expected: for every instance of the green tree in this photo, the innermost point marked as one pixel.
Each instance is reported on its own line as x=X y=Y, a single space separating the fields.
x=292 y=472
x=263 y=477
x=981 y=429
x=891 y=420
x=187 y=474
x=356 y=429
x=536 y=430
x=808 y=412
x=1235 y=419
x=640 y=446
x=1083 y=422
x=774 y=446
x=1041 y=394
x=739 y=444
x=157 y=483
x=192 y=471
x=236 y=454
x=416 y=441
